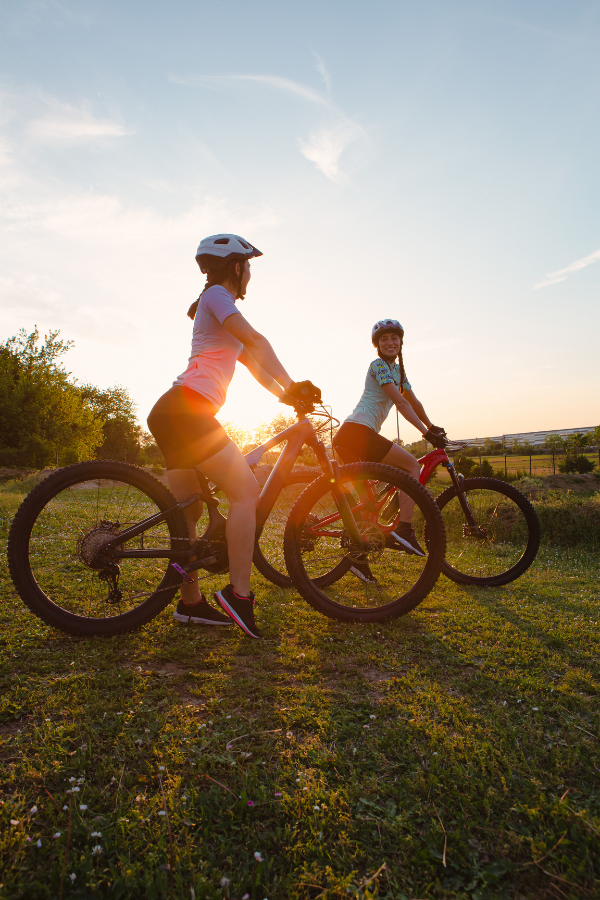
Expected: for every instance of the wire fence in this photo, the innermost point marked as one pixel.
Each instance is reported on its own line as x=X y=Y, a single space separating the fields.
x=547 y=463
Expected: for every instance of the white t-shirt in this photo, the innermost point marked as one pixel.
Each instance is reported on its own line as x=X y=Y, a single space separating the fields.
x=214 y=350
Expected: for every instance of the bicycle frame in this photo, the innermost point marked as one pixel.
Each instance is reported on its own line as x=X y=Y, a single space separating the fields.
x=295 y=436
x=429 y=464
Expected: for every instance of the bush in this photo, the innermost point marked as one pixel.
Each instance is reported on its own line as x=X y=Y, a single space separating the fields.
x=580 y=464
x=485 y=470
x=509 y=476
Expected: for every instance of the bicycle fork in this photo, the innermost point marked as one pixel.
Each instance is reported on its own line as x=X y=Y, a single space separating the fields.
x=458 y=482
x=331 y=470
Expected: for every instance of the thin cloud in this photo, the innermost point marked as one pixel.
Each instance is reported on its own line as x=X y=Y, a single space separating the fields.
x=325 y=146
x=563 y=274
x=324 y=73
x=273 y=81
x=66 y=124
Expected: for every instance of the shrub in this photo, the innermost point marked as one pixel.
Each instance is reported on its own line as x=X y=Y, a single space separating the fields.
x=485 y=470
x=580 y=464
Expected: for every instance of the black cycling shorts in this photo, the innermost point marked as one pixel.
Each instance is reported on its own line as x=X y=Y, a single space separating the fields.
x=184 y=426
x=359 y=443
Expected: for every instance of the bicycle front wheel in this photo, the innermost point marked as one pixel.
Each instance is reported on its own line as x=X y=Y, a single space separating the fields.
x=268 y=552
x=501 y=545
x=59 y=530
x=380 y=580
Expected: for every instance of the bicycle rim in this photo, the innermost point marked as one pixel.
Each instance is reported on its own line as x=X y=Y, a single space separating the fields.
x=61 y=525
x=269 y=557
x=503 y=543
x=316 y=541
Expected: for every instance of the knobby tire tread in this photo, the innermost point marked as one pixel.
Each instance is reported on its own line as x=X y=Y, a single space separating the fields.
x=23 y=524
x=533 y=527
x=308 y=589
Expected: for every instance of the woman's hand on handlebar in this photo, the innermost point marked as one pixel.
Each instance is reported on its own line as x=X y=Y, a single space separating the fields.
x=439 y=441
x=301 y=392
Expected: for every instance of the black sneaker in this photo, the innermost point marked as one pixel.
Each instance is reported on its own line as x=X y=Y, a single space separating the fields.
x=363 y=572
x=201 y=613
x=405 y=539
x=241 y=609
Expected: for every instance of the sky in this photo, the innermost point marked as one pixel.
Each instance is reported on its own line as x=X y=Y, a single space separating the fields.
x=434 y=162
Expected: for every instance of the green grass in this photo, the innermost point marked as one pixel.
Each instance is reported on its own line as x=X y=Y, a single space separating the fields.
x=452 y=753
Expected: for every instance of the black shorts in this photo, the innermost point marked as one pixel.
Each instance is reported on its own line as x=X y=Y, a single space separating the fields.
x=359 y=443
x=184 y=426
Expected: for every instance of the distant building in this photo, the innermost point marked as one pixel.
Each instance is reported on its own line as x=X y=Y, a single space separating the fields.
x=535 y=438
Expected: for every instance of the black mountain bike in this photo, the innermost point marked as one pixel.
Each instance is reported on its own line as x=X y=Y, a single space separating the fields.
x=98 y=548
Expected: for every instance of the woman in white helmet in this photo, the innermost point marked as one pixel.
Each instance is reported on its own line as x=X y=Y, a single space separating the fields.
x=185 y=428
x=359 y=440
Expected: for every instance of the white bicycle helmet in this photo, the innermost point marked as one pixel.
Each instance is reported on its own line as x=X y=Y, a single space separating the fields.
x=224 y=247
x=386 y=326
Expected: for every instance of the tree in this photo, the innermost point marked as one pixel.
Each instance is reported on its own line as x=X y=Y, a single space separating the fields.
x=116 y=410
x=43 y=416
x=576 y=441
x=491 y=447
x=555 y=442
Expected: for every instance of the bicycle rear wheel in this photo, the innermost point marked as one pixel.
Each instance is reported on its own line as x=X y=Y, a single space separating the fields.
x=316 y=542
x=503 y=543
x=268 y=552
x=63 y=523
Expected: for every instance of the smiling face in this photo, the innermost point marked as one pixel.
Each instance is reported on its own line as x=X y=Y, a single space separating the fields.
x=389 y=344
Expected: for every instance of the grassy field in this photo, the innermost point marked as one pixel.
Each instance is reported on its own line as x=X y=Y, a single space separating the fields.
x=450 y=754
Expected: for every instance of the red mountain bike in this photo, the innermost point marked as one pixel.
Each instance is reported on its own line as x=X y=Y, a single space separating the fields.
x=492 y=530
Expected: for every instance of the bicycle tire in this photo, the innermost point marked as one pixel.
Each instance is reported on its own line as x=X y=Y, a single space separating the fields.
x=274 y=568
x=348 y=600
x=40 y=550
x=514 y=537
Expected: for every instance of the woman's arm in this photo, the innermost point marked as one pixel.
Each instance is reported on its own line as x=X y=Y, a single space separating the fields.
x=417 y=406
x=405 y=408
x=259 y=348
x=260 y=374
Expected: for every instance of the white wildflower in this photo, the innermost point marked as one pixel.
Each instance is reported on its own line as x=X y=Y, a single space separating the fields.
x=257 y=856
x=33 y=810
x=83 y=806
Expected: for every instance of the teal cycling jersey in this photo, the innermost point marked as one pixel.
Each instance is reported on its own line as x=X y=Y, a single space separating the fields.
x=373 y=407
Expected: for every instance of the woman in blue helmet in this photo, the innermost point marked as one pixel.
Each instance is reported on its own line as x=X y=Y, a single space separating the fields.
x=359 y=439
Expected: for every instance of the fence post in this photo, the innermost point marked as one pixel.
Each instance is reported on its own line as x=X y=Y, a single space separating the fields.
x=553 y=464
x=505 y=469
x=530 y=463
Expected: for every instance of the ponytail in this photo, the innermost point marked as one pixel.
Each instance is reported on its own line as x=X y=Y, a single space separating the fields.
x=218 y=276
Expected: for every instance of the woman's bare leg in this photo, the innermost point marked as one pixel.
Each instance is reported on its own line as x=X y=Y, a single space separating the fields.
x=183 y=483
x=400 y=458
x=231 y=472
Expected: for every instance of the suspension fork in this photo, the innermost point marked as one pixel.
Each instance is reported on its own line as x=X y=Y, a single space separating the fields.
x=331 y=470
x=458 y=482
